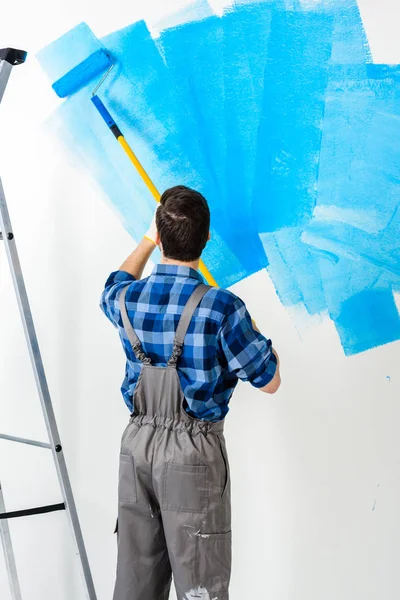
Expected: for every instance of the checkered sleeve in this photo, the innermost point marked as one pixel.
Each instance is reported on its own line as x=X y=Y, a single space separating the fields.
x=109 y=299
x=248 y=353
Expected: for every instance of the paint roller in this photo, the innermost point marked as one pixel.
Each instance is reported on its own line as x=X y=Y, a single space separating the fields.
x=85 y=61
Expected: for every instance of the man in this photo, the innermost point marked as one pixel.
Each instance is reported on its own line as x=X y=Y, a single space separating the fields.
x=186 y=346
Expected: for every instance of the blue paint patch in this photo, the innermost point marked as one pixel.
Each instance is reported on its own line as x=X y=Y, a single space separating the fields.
x=360 y=156
x=357 y=175
x=367 y=320
x=350 y=44
x=295 y=285
x=275 y=112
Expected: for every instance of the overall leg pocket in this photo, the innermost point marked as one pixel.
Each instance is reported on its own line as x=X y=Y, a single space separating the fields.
x=127 y=481
x=213 y=563
x=185 y=488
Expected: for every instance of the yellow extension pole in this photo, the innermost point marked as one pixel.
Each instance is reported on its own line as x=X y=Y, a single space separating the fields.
x=156 y=195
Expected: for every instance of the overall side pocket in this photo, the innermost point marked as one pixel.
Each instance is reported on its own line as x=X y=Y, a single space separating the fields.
x=213 y=563
x=127 y=481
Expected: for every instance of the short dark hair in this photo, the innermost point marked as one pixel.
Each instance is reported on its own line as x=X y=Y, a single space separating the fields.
x=183 y=223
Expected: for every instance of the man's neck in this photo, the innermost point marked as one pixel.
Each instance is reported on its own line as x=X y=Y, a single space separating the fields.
x=177 y=263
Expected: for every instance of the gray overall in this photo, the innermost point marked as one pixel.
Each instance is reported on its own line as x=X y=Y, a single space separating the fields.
x=174 y=514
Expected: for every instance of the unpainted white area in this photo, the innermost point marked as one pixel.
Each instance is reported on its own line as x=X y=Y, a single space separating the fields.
x=314 y=469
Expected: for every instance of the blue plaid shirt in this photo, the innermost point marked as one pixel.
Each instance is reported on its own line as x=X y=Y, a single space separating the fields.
x=220 y=347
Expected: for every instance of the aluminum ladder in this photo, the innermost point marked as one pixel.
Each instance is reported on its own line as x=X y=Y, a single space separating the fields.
x=10 y=57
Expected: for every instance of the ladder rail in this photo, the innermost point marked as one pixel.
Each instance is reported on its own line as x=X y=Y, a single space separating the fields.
x=5 y=72
x=38 y=369
x=9 y=553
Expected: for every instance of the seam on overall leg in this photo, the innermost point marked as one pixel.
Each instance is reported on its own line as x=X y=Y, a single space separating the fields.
x=196 y=570
x=164 y=499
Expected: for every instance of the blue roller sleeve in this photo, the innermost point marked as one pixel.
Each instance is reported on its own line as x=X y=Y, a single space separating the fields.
x=74 y=60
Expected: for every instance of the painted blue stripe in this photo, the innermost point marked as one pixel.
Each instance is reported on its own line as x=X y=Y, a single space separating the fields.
x=285 y=185
x=197 y=59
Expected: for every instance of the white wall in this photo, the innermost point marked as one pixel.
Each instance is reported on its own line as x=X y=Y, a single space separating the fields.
x=315 y=468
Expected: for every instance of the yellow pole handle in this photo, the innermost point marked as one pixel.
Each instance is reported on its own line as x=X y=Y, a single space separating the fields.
x=156 y=195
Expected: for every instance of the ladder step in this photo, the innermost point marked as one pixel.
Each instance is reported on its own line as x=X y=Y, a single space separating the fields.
x=28 y=512
x=12 y=438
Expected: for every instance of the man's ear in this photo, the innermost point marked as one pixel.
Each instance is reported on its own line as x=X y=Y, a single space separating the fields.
x=158 y=239
x=209 y=236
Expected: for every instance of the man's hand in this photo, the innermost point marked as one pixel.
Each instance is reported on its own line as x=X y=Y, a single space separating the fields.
x=152 y=233
x=136 y=262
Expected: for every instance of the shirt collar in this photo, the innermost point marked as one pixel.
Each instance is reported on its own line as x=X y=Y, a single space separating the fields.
x=177 y=271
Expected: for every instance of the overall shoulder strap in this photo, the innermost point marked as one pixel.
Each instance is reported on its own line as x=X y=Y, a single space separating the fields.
x=184 y=321
x=130 y=332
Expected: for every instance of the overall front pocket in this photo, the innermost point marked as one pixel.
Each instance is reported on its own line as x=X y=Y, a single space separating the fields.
x=185 y=488
x=127 y=480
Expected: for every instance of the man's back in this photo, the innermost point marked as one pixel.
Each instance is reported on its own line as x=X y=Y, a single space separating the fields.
x=221 y=345
x=186 y=347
